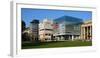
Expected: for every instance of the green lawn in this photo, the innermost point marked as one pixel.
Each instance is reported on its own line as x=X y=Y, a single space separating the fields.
x=56 y=44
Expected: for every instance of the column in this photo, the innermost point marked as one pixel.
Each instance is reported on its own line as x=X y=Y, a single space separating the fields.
x=81 y=37
x=72 y=37
x=68 y=37
x=61 y=38
x=84 y=33
x=90 y=32
x=87 y=33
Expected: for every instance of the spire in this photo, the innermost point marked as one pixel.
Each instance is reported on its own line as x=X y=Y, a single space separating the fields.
x=45 y=20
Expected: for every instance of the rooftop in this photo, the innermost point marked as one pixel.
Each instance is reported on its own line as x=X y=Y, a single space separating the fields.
x=68 y=19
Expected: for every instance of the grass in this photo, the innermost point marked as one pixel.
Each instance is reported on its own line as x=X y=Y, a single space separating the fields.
x=57 y=44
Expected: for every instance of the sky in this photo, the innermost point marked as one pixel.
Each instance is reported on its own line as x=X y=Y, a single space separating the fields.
x=28 y=14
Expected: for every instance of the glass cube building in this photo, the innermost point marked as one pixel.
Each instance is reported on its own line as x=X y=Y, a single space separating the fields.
x=69 y=28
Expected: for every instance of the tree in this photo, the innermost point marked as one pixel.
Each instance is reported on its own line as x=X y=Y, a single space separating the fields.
x=23 y=25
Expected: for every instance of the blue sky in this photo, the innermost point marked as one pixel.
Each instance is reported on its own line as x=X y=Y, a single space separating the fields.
x=28 y=14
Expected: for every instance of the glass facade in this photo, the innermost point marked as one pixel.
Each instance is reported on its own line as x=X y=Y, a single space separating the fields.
x=69 y=27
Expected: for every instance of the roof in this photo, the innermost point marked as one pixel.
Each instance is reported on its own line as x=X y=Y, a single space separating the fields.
x=68 y=19
x=88 y=21
x=34 y=21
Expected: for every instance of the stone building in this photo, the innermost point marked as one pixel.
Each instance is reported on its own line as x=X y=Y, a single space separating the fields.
x=45 y=30
x=34 y=26
x=86 y=30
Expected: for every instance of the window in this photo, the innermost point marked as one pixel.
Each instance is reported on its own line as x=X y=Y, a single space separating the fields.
x=76 y=27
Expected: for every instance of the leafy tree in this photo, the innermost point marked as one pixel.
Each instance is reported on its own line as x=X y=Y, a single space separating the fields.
x=23 y=25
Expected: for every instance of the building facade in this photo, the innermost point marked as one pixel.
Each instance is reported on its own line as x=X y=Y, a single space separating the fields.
x=34 y=26
x=68 y=28
x=86 y=30
x=27 y=35
x=45 y=30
